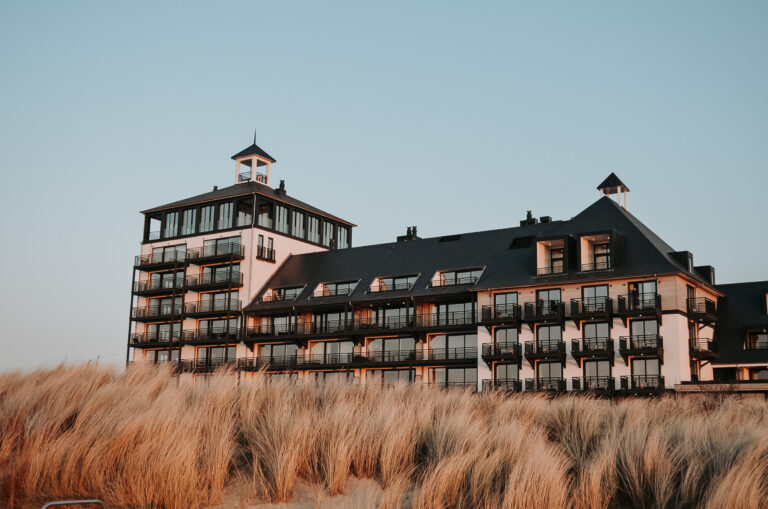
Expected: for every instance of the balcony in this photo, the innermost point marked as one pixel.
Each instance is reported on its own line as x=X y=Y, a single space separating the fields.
x=214 y=281
x=635 y=304
x=594 y=384
x=447 y=355
x=229 y=252
x=703 y=349
x=263 y=253
x=392 y=356
x=327 y=360
x=592 y=348
x=392 y=323
x=211 y=336
x=457 y=281
x=544 y=311
x=604 y=264
x=549 y=351
x=591 y=308
x=648 y=345
x=202 y=309
x=157 y=338
x=453 y=385
x=642 y=384
x=501 y=351
x=157 y=313
x=701 y=309
x=206 y=366
x=545 y=384
x=502 y=384
x=159 y=261
x=444 y=320
x=501 y=314
x=268 y=363
x=149 y=288
x=550 y=271
x=299 y=328
x=392 y=287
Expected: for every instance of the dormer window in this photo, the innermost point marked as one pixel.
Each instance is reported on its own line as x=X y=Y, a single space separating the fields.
x=456 y=277
x=336 y=289
x=392 y=283
x=283 y=294
x=550 y=257
x=596 y=252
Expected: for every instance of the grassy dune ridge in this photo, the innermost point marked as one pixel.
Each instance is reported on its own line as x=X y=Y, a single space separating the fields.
x=146 y=438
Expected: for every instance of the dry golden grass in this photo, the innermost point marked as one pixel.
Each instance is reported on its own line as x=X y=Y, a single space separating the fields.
x=147 y=438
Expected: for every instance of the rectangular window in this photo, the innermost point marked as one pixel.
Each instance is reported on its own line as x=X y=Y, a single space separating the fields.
x=336 y=289
x=164 y=331
x=327 y=233
x=177 y=253
x=645 y=373
x=171 y=225
x=506 y=339
x=548 y=337
x=215 y=354
x=162 y=356
x=594 y=298
x=225 y=216
x=216 y=247
x=266 y=215
x=330 y=322
x=332 y=352
x=596 y=336
x=389 y=376
x=458 y=277
x=281 y=219
x=388 y=284
x=463 y=377
x=549 y=371
x=343 y=242
x=279 y=351
x=644 y=333
x=297 y=223
x=207 y=214
x=548 y=301
x=190 y=222
x=556 y=261
x=457 y=313
x=313 y=229
x=453 y=346
x=602 y=256
x=507 y=372
x=391 y=349
x=642 y=295
x=245 y=212
x=757 y=341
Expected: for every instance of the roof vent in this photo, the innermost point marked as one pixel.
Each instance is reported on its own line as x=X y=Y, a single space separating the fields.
x=545 y=219
x=281 y=190
x=529 y=219
x=410 y=234
x=449 y=238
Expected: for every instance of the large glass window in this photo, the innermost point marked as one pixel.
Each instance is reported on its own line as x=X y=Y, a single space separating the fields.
x=162 y=356
x=332 y=352
x=453 y=346
x=322 y=377
x=166 y=306
x=389 y=376
x=281 y=219
x=594 y=298
x=225 y=215
x=327 y=233
x=215 y=354
x=457 y=313
x=343 y=242
x=189 y=222
x=390 y=318
x=459 y=277
x=215 y=247
x=278 y=351
x=219 y=326
x=313 y=229
x=391 y=349
x=283 y=324
x=175 y=253
x=286 y=293
x=602 y=256
x=207 y=215
x=266 y=215
x=642 y=294
x=297 y=224
x=506 y=338
x=548 y=337
x=549 y=370
x=466 y=377
x=330 y=322
x=166 y=280
x=548 y=301
x=645 y=373
x=596 y=335
x=507 y=372
x=336 y=289
x=556 y=260
x=171 y=225
x=644 y=333
x=245 y=212
x=757 y=341
x=220 y=301
x=386 y=284
x=164 y=331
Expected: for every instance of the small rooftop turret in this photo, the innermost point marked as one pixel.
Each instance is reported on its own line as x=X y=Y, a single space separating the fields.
x=253 y=158
x=613 y=185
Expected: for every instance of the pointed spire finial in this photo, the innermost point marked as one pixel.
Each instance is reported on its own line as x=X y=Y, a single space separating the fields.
x=254 y=136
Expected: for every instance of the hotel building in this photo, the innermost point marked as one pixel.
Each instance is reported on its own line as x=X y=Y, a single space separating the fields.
x=249 y=277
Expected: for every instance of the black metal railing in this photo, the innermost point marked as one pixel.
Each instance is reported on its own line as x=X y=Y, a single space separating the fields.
x=545 y=384
x=544 y=347
x=444 y=354
x=445 y=319
x=640 y=302
x=325 y=359
x=544 y=309
x=157 y=285
x=214 y=279
x=603 y=264
x=591 y=305
x=501 y=349
x=548 y=271
x=389 y=322
x=502 y=384
x=655 y=382
x=452 y=384
x=157 y=311
x=468 y=280
x=641 y=342
x=594 y=383
x=380 y=287
x=263 y=253
x=172 y=256
x=269 y=362
x=324 y=291
x=205 y=366
x=500 y=312
x=588 y=346
x=155 y=337
x=211 y=306
x=229 y=249
x=244 y=177
x=703 y=345
x=210 y=334
x=701 y=306
x=387 y=356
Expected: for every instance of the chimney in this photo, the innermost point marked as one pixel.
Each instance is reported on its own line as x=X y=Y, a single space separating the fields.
x=410 y=234
x=529 y=219
x=545 y=219
x=215 y=188
x=281 y=190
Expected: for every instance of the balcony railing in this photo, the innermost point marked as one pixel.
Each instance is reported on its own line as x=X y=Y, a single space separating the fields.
x=212 y=306
x=594 y=383
x=166 y=310
x=651 y=383
x=168 y=258
x=324 y=291
x=263 y=253
x=276 y=363
x=391 y=356
x=235 y=279
x=501 y=350
x=387 y=323
x=502 y=384
x=445 y=354
x=500 y=312
x=549 y=271
x=155 y=337
x=702 y=308
x=545 y=384
x=380 y=287
x=326 y=359
x=451 y=318
x=702 y=348
x=157 y=286
x=604 y=264
x=225 y=251
x=592 y=348
x=641 y=342
x=591 y=306
x=544 y=348
x=205 y=366
x=213 y=334
x=543 y=310
x=468 y=280
x=640 y=303
x=453 y=384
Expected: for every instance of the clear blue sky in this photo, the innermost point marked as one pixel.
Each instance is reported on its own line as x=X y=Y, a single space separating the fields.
x=450 y=117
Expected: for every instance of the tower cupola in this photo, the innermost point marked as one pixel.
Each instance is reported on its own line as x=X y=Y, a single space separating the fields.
x=253 y=164
x=613 y=185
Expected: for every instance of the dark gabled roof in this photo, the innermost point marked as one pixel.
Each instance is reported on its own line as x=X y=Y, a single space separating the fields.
x=503 y=266
x=243 y=189
x=741 y=310
x=612 y=184
x=254 y=150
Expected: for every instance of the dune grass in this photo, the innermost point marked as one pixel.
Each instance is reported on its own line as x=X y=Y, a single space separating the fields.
x=147 y=438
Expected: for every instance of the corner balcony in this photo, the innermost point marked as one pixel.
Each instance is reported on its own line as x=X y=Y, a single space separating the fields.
x=642 y=385
x=703 y=349
x=151 y=288
x=544 y=311
x=591 y=308
x=206 y=366
x=545 y=384
x=634 y=305
x=592 y=348
x=648 y=345
x=154 y=339
x=702 y=310
x=160 y=261
x=502 y=351
x=216 y=254
x=545 y=351
x=214 y=281
x=501 y=314
x=157 y=313
x=594 y=384
x=502 y=384
x=209 y=337
x=202 y=309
